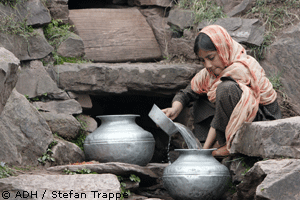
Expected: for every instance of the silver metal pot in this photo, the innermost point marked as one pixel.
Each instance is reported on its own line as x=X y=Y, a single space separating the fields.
x=119 y=139
x=196 y=175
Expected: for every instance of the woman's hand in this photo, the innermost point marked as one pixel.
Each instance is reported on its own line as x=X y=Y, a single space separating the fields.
x=174 y=111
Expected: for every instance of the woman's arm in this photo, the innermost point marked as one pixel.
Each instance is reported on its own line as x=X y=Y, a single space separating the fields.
x=174 y=111
x=181 y=99
x=211 y=137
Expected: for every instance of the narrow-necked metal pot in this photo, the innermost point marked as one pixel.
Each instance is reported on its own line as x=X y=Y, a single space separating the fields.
x=196 y=175
x=119 y=139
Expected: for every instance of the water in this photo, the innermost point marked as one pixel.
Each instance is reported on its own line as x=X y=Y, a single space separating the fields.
x=188 y=136
x=169 y=150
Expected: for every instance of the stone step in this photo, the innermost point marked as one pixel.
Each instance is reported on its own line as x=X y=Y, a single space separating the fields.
x=122 y=78
x=79 y=186
x=115 y=35
x=269 y=139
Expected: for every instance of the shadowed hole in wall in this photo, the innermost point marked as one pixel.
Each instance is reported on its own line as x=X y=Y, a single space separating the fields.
x=84 y=4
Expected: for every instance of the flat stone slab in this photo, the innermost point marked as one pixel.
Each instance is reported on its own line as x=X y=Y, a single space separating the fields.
x=122 y=78
x=117 y=168
x=162 y=3
x=73 y=187
x=70 y=107
x=115 y=35
x=269 y=139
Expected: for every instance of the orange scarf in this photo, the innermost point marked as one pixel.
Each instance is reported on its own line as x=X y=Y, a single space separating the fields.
x=245 y=70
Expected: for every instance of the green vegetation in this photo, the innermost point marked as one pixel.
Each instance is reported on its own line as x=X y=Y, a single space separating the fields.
x=275 y=80
x=231 y=187
x=56 y=32
x=125 y=193
x=11 y=3
x=79 y=171
x=26 y=168
x=46 y=157
x=274 y=18
x=5 y=171
x=202 y=10
x=38 y=98
x=79 y=140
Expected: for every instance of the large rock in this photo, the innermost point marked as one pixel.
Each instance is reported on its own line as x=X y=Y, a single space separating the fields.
x=79 y=186
x=249 y=31
x=64 y=125
x=236 y=7
x=182 y=47
x=157 y=21
x=181 y=19
x=65 y=153
x=26 y=48
x=84 y=99
x=269 y=139
x=121 y=35
x=89 y=123
x=34 y=81
x=162 y=3
x=283 y=58
x=25 y=135
x=271 y=179
x=71 y=47
x=58 y=9
x=99 y=78
x=8 y=75
x=70 y=106
x=33 y=12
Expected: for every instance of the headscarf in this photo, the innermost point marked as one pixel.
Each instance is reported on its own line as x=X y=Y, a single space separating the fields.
x=245 y=70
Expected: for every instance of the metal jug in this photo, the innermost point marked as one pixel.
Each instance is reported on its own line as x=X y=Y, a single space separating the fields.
x=196 y=175
x=119 y=139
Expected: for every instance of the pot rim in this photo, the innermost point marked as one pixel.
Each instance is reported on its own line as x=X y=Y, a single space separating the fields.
x=125 y=115
x=213 y=149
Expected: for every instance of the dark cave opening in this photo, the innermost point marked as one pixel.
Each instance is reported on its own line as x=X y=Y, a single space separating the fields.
x=79 y=4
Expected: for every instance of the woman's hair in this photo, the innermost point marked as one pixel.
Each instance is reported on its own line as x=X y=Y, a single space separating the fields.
x=203 y=42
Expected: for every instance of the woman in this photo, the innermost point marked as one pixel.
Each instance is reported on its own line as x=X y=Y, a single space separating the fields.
x=230 y=90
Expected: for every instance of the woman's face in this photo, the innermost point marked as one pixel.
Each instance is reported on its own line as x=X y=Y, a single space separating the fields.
x=211 y=61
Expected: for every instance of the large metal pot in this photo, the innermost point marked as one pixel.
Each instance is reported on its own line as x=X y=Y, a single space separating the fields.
x=196 y=175
x=119 y=139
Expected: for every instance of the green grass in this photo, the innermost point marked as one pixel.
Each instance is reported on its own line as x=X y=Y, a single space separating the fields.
x=5 y=171
x=275 y=19
x=79 y=140
x=11 y=3
x=259 y=52
x=275 y=80
x=202 y=9
x=56 y=32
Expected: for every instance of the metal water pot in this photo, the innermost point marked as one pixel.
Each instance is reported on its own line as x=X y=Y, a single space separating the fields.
x=196 y=175
x=119 y=139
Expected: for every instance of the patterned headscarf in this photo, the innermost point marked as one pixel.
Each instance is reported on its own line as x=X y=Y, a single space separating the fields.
x=245 y=70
